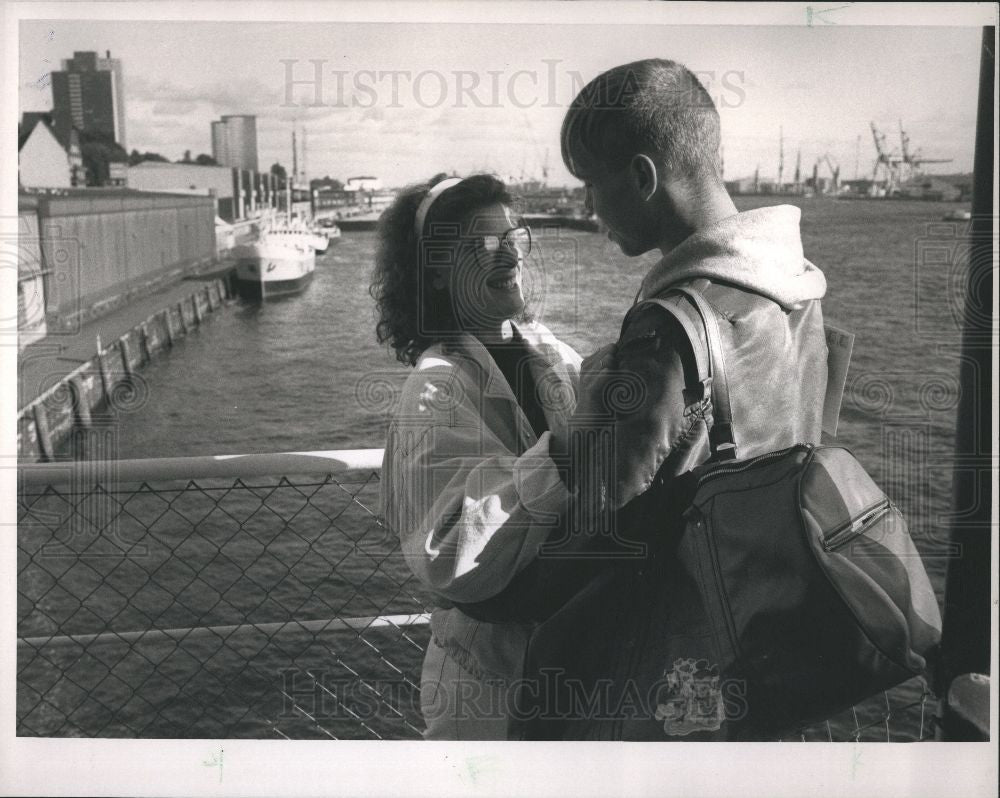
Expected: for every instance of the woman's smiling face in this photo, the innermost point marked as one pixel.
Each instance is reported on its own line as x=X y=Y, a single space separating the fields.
x=486 y=281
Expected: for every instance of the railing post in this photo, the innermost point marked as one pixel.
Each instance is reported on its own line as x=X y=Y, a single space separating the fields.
x=965 y=712
x=965 y=644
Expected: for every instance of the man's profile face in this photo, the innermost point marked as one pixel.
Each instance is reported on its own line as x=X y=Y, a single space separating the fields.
x=613 y=196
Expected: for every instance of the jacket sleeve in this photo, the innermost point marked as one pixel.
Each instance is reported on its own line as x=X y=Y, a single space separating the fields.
x=648 y=419
x=652 y=419
x=469 y=512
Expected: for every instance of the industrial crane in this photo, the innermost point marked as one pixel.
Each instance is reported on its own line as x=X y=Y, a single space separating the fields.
x=914 y=160
x=834 y=172
x=889 y=161
x=781 y=156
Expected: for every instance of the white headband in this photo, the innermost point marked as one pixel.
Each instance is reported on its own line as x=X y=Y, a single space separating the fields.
x=426 y=202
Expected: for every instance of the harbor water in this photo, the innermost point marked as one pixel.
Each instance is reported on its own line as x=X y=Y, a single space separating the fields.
x=305 y=373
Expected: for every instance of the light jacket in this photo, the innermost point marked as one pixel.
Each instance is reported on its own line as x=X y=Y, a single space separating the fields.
x=471 y=490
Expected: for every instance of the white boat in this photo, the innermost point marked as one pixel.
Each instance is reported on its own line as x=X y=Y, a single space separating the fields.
x=298 y=230
x=332 y=233
x=276 y=264
x=957 y=216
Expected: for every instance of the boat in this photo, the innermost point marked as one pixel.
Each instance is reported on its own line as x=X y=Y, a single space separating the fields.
x=957 y=216
x=276 y=264
x=331 y=231
x=298 y=230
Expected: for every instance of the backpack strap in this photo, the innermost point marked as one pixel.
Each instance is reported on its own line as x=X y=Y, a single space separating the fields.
x=710 y=365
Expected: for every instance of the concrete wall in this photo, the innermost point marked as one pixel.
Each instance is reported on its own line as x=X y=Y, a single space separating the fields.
x=181 y=178
x=102 y=248
x=46 y=421
x=30 y=280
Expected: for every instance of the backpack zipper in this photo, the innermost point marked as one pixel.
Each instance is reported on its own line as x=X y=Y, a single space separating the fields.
x=744 y=465
x=856 y=526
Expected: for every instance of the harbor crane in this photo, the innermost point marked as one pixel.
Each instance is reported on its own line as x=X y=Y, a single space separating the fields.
x=914 y=160
x=834 y=172
x=888 y=161
x=781 y=156
x=898 y=167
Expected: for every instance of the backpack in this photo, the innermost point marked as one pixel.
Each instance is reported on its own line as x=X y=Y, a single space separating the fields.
x=788 y=590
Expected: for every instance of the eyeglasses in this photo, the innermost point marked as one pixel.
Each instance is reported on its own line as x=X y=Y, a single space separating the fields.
x=517 y=237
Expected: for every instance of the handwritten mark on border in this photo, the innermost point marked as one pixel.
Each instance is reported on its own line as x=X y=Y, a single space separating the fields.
x=817 y=14
x=216 y=762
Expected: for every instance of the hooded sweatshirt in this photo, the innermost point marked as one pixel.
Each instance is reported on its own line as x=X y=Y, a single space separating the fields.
x=751 y=269
x=758 y=250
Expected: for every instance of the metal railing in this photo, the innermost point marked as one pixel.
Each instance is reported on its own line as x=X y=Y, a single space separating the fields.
x=243 y=596
x=239 y=596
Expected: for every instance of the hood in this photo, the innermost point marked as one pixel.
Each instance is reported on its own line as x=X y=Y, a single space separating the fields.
x=758 y=250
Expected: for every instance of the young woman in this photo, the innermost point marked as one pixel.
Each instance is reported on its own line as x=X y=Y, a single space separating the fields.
x=467 y=481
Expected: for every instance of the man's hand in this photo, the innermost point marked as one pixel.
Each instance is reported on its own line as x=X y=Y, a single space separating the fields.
x=595 y=371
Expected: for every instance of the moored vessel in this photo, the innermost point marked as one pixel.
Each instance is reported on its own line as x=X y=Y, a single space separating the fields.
x=276 y=264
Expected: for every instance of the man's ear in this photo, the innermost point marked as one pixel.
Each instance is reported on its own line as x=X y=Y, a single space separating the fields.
x=642 y=171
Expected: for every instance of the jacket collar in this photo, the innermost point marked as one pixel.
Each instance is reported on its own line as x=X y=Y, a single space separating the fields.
x=551 y=367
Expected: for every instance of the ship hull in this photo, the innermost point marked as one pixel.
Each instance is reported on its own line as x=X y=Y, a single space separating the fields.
x=268 y=270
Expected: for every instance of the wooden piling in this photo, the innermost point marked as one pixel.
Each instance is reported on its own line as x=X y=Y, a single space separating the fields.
x=126 y=359
x=144 y=345
x=106 y=379
x=42 y=427
x=168 y=326
x=78 y=398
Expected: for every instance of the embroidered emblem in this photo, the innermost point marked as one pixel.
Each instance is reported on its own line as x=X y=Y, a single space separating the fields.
x=693 y=700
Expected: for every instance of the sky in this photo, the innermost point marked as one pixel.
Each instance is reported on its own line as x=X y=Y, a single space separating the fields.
x=403 y=101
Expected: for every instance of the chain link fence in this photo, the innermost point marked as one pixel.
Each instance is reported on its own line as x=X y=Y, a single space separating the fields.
x=247 y=600
x=240 y=607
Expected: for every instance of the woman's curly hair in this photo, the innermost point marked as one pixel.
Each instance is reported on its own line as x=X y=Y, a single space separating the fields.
x=411 y=314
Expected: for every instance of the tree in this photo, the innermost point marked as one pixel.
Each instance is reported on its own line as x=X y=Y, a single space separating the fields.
x=98 y=150
x=138 y=157
x=278 y=171
x=206 y=160
x=187 y=157
x=326 y=183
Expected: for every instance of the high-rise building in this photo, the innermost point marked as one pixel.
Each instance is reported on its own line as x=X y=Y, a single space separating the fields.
x=88 y=94
x=234 y=141
x=220 y=144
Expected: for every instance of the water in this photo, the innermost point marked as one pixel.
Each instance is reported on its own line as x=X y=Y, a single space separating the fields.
x=306 y=373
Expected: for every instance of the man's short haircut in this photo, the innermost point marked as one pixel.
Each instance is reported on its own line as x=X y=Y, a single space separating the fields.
x=655 y=107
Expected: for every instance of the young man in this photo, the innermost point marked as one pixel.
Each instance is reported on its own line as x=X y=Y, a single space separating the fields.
x=644 y=138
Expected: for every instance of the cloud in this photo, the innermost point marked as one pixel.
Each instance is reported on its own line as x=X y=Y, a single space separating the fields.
x=174 y=107
x=238 y=95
